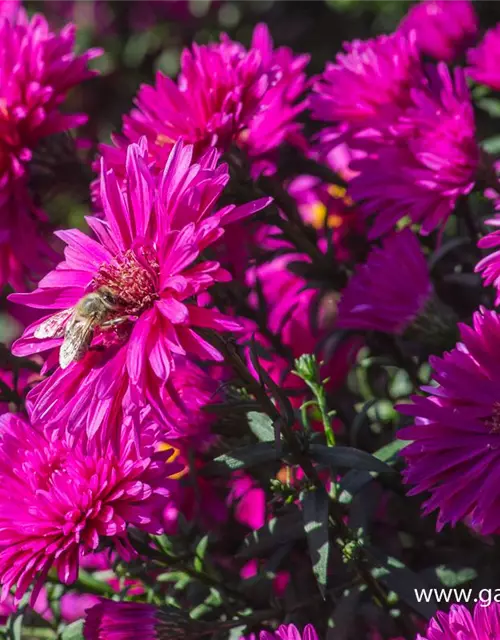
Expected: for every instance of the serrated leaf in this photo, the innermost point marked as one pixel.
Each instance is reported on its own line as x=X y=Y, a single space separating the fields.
x=242 y=458
x=315 y=513
x=450 y=578
x=347 y=458
x=276 y=532
x=261 y=426
x=73 y=631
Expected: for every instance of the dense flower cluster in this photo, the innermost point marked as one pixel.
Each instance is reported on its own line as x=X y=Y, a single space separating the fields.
x=145 y=253
x=224 y=94
x=37 y=69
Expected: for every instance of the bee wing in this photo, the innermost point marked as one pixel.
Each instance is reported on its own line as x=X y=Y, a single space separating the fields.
x=54 y=327
x=77 y=339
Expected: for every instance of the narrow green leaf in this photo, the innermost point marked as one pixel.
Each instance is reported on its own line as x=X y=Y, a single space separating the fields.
x=315 y=513
x=242 y=458
x=355 y=480
x=261 y=426
x=73 y=631
x=347 y=458
x=276 y=532
x=404 y=582
x=201 y=549
x=451 y=578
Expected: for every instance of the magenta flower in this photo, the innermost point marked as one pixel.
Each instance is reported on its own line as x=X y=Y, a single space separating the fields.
x=111 y=620
x=460 y=624
x=59 y=500
x=455 y=450
x=489 y=266
x=224 y=94
x=484 y=60
x=366 y=89
x=429 y=162
x=37 y=69
x=323 y=206
x=389 y=290
x=9 y=8
x=145 y=265
x=444 y=28
x=287 y=632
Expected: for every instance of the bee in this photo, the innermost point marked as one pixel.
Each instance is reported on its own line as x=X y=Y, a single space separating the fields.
x=77 y=324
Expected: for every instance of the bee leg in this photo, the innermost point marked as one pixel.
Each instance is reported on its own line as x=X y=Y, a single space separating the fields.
x=109 y=324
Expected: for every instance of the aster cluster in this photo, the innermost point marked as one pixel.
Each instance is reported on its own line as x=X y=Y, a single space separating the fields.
x=212 y=384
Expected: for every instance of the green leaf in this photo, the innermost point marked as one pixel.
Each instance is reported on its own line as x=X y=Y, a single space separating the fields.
x=491 y=106
x=450 y=578
x=347 y=458
x=261 y=426
x=492 y=145
x=73 y=631
x=355 y=480
x=404 y=582
x=15 y=625
x=242 y=458
x=315 y=513
x=276 y=532
x=200 y=552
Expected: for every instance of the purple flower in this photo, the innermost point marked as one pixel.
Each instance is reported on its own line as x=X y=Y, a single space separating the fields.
x=145 y=264
x=287 y=632
x=490 y=265
x=59 y=499
x=366 y=88
x=110 y=620
x=484 y=60
x=460 y=624
x=9 y=8
x=389 y=290
x=37 y=69
x=444 y=28
x=428 y=163
x=455 y=452
x=225 y=94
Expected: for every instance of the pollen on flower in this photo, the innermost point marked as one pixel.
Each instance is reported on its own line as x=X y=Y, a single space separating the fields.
x=133 y=276
x=162 y=140
x=493 y=422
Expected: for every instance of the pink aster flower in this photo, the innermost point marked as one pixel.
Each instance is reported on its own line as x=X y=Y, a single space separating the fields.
x=429 y=162
x=456 y=436
x=37 y=69
x=484 y=60
x=460 y=624
x=489 y=266
x=287 y=632
x=444 y=28
x=111 y=620
x=390 y=289
x=9 y=8
x=59 y=500
x=324 y=206
x=224 y=94
x=146 y=260
x=366 y=88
